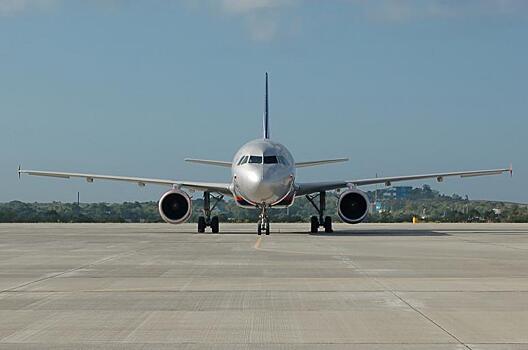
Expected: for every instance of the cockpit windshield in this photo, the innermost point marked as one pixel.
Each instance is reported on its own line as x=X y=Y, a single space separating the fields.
x=255 y=160
x=270 y=160
x=264 y=159
x=243 y=160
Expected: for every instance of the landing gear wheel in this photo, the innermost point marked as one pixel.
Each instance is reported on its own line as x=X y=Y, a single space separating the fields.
x=201 y=224
x=267 y=229
x=259 y=229
x=319 y=220
x=314 y=224
x=215 y=225
x=328 y=224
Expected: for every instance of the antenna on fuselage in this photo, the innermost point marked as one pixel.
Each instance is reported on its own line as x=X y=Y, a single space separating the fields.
x=266 y=112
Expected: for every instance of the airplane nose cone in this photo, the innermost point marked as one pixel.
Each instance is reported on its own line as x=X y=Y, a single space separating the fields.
x=263 y=188
x=258 y=189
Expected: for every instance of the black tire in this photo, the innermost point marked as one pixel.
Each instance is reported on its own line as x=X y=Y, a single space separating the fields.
x=314 y=224
x=328 y=224
x=259 y=229
x=201 y=224
x=267 y=230
x=215 y=224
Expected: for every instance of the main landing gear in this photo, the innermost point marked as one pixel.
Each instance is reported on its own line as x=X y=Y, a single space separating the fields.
x=324 y=221
x=263 y=224
x=206 y=220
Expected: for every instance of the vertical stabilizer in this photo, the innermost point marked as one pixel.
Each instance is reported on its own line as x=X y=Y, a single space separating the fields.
x=266 y=113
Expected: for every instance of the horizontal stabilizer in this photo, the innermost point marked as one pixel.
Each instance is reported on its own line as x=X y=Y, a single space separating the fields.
x=319 y=162
x=209 y=162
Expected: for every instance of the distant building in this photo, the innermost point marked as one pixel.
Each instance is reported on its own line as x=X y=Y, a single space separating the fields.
x=376 y=207
x=395 y=192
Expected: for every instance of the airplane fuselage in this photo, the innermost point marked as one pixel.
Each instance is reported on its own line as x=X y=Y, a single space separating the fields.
x=263 y=173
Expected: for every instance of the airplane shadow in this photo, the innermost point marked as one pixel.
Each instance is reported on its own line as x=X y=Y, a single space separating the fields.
x=352 y=233
x=382 y=233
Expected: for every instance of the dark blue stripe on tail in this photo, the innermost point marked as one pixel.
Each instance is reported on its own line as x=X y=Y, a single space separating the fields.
x=266 y=113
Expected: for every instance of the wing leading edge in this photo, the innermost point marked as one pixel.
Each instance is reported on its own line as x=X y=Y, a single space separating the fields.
x=209 y=162
x=319 y=162
x=307 y=188
x=223 y=188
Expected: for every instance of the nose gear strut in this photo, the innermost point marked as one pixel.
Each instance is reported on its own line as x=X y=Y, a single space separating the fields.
x=264 y=222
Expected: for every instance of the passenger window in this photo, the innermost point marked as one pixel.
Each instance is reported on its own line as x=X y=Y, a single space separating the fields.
x=255 y=159
x=270 y=160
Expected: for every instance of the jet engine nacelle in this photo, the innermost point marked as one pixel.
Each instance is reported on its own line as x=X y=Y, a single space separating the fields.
x=175 y=206
x=352 y=206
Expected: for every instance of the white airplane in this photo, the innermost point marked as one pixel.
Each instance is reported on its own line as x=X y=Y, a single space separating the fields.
x=263 y=176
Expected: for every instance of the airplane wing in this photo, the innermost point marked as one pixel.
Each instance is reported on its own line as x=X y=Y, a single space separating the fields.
x=209 y=162
x=223 y=188
x=307 y=188
x=319 y=162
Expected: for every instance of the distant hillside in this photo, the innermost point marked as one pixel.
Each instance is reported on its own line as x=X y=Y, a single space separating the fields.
x=395 y=204
x=429 y=205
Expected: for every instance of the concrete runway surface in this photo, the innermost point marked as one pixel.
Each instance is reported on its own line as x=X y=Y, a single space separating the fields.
x=157 y=286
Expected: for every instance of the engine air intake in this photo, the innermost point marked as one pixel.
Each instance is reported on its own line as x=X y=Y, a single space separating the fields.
x=175 y=206
x=353 y=206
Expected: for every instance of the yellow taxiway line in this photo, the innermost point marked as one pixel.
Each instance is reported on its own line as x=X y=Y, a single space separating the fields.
x=257 y=243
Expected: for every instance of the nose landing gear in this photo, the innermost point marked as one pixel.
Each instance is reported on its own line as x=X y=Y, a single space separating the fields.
x=263 y=224
x=207 y=220
x=324 y=221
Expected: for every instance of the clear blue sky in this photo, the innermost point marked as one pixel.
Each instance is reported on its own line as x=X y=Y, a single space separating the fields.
x=133 y=87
